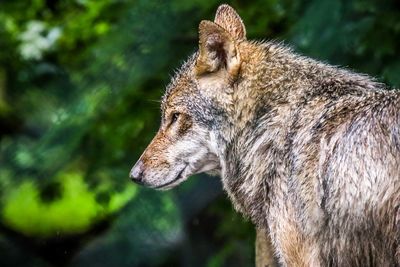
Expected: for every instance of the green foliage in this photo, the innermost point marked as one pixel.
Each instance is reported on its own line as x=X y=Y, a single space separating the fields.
x=242 y=239
x=25 y=210
x=361 y=34
x=79 y=85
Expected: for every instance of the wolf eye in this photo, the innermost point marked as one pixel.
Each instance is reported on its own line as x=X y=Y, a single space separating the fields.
x=174 y=117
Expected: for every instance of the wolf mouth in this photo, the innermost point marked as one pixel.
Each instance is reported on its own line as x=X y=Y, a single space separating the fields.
x=178 y=177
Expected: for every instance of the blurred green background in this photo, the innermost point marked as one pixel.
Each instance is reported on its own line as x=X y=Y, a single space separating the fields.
x=80 y=82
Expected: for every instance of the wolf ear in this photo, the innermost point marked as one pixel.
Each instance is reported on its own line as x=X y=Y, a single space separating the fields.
x=218 y=42
x=217 y=50
x=227 y=18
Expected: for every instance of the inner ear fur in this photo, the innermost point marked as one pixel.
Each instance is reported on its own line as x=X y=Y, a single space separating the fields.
x=217 y=50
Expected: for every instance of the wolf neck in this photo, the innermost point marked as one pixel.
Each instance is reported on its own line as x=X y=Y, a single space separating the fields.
x=253 y=144
x=252 y=163
x=274 y=83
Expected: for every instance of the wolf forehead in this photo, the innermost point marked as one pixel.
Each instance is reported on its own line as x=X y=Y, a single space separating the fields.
x=182 y=83
x=183 y=95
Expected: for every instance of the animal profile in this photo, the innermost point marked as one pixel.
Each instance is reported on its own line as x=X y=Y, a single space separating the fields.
x=308 y=152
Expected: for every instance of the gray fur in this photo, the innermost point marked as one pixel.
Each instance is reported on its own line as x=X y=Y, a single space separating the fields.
x=309 y=152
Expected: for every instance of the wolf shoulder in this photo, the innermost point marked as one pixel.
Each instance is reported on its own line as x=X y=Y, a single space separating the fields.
x=357 y=136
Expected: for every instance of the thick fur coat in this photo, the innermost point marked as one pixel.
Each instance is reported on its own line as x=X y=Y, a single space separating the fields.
x=309 y=152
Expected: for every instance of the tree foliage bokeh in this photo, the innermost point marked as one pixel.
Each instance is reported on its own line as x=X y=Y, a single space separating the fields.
x=80 y=82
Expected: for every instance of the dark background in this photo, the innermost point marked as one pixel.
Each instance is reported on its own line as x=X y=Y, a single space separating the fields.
x=80 y=83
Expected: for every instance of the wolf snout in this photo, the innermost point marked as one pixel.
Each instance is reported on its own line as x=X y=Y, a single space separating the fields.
x=136 y=173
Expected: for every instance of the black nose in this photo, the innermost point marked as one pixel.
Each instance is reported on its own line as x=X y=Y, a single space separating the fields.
x=136 y=173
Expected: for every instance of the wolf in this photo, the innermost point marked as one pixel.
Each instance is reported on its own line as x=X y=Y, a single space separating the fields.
x=309 y=152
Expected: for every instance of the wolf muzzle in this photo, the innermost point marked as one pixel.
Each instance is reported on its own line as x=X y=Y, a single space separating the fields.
x=136 y=173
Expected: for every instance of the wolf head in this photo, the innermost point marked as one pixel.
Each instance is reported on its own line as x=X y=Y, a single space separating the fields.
x=196 y=107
